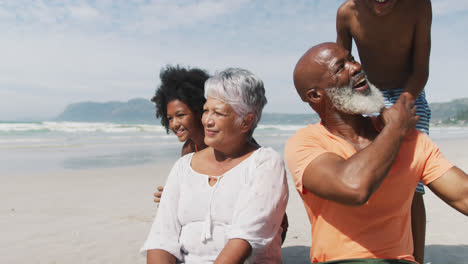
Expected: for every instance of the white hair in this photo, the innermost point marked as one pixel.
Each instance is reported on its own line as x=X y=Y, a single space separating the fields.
x=349 y=101
x=241 y=89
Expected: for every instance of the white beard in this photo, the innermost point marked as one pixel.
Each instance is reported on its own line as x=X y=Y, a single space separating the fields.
x=349 y=101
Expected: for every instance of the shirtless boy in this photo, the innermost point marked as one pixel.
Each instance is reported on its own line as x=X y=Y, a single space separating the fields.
x=393 y=38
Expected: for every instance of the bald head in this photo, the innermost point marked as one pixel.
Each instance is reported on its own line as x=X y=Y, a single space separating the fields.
x=311 y=69
x=329 y=79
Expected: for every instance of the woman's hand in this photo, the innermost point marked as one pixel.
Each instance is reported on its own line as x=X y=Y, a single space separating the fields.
x=236 y=251
x=158 y=194
x=159 y=256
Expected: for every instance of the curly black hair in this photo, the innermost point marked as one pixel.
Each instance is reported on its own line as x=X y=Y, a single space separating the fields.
x=178 y=83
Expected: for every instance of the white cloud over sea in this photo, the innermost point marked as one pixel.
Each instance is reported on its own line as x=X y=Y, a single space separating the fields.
x=58 y=52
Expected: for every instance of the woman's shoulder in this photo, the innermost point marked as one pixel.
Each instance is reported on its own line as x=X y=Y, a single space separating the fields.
x=184 y=160
x=266 y=165
x=262 y=151
x=180 y=168
x=266 y=154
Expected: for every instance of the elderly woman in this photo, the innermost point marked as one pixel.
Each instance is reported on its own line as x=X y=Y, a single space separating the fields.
x=223 y=204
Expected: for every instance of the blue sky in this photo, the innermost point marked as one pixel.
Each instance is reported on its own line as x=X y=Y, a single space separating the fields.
x=53 y=53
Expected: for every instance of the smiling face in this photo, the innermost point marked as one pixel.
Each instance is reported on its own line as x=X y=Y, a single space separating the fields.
x=380 y=7
x=351 y=93
x=183 y=121
x=222 y=124
x=345 y=71
x=330 y=79
x=337 y=68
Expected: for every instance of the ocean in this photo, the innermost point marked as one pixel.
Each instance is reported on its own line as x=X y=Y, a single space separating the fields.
x=53 y=146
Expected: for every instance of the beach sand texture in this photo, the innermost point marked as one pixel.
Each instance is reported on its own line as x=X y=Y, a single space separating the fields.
x=103 y=216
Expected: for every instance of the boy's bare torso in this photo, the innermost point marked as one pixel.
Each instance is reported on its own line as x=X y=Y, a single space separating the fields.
x=385 y=43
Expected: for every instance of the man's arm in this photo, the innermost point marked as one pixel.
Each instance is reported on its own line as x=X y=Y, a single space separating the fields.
x=421 y=50
x=353 y=181
x=452 y=188
x=343 y=33
x=236 y=251
x=159 y=256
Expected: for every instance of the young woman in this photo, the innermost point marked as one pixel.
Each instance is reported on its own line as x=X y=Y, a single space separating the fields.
x=179 y=103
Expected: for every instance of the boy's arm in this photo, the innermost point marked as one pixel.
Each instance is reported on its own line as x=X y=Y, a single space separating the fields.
x=343 y=33
x=421 y=51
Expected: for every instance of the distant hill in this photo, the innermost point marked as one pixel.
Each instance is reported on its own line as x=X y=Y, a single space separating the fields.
x=453 y=112
x=140 y=110
x=136 y=110
x=288 y=119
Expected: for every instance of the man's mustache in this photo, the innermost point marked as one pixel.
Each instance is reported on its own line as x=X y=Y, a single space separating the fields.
x=356 y=77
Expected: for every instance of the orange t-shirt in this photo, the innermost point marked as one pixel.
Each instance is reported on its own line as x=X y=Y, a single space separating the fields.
x=382 y=227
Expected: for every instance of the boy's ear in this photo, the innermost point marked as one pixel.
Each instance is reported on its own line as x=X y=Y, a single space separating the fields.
x=247 y=122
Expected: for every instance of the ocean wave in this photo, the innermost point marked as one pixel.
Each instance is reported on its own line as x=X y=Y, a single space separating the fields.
x=450 y=129
x=279 y=127
x=74 y=127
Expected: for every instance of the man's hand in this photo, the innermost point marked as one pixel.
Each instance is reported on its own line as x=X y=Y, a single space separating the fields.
x=402 y=115
x=158 y=194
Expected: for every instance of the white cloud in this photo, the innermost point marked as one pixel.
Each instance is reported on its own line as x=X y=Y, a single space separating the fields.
x=61 y=52
x=133 y=16
x=84 y=12
x=5 y=15
x=165 y=14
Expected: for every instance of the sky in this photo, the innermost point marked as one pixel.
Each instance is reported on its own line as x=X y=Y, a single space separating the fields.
x=53 y=53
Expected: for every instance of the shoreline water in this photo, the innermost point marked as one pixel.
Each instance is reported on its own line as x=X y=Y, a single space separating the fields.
x=55 y=146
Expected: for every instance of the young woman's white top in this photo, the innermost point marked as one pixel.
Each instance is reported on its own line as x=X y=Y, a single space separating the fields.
x=195 y=220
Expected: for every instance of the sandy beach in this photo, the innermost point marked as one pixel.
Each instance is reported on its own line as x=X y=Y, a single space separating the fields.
x=104 y=215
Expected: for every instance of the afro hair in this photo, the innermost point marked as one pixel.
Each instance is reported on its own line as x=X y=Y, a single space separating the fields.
x=178 y=83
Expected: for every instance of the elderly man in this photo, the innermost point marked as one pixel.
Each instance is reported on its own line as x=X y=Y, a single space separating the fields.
x=356 y=175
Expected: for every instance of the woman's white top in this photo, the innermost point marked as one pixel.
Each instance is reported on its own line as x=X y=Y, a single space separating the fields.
x=195 y=220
